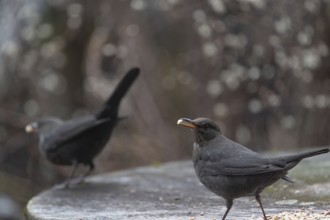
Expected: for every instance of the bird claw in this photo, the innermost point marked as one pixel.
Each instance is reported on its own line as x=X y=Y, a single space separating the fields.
x=77 y=181
x=60 y=186
x=69 y=183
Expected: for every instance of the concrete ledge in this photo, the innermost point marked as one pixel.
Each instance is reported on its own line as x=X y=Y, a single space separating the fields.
x=172 y=191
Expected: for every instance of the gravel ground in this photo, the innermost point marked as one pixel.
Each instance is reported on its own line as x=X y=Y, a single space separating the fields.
x=302 y=214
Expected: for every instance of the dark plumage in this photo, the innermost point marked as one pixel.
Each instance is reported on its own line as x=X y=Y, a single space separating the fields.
x=231 y=170
x=80 y=140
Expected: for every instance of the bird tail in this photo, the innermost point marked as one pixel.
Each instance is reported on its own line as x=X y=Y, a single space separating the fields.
x=299 y=157
x=110 y=107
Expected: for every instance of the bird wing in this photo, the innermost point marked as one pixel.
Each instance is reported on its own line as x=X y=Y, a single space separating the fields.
x=238 y=167
x=250 y=166
x=251 y=163
x=72 y=129
x=237 y=161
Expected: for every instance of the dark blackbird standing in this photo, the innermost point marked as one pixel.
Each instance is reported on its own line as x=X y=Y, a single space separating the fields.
x=80 y=140
x=231 y=170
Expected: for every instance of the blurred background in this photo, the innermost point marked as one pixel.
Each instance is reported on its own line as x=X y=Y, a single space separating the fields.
x=259 y=68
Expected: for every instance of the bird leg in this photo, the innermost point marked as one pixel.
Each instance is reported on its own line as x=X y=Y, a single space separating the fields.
x=229 y=204
x=82 y=177
x=66 y=183
x=262 y=208
x=74 y=170
x=70 y=178
x=90 y=169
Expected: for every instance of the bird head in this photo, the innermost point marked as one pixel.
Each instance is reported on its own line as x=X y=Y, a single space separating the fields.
x=31 y=128
x=42 y=126
x=203 y=128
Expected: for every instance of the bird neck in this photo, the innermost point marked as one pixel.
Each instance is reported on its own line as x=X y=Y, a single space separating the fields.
x=204 y=138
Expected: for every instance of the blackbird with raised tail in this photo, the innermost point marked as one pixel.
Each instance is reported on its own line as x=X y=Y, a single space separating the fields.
x=231 y=170
x=80 y=140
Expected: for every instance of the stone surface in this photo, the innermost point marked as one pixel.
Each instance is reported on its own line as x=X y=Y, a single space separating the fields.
x=172 y=192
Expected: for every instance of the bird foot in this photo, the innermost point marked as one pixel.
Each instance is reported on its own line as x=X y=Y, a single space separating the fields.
x=77 y=181
x=60 y=186
x=69 y=183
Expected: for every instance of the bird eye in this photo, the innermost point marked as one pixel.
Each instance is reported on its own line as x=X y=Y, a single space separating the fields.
x=205 y=126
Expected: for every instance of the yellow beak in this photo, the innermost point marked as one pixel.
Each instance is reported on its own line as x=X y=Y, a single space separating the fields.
x=186 y=122
x=31 y=128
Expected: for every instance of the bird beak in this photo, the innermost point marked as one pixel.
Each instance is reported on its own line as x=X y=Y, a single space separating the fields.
x=31 y=128
x=186 y=122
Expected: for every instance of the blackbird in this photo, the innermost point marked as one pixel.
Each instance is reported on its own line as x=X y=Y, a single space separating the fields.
x=80 y=140
x=231 y=170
